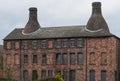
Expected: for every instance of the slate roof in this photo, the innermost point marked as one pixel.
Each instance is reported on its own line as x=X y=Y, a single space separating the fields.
x=56 y=32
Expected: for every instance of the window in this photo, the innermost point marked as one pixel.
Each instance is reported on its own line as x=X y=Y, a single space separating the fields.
x=92 y=75
x=49 y=73
x=8 y=58
x=79 y=42
x=34 y=44
x=44 y=59
x=25 y=59
x=25 y=45
x=9 y=46
x=92 y=58
x=34 y=59
x=103 y=75
x=72 y=42
x=44 y=44
x=43 y=73
x=72 y=58
x=58 y=58
x=64 y=43
x=103 y=58
x=65 y=75
x=58 y=43
x=34 y=75
x=16 y=59
x=80 y=58
x=25 y=75
x=72 y=75
x=64 y=58
x=17 y=45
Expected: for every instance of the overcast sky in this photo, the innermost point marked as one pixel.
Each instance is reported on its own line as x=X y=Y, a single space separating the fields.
x=14 y=13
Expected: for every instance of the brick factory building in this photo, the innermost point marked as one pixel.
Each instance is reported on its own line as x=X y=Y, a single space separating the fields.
x=80 y=53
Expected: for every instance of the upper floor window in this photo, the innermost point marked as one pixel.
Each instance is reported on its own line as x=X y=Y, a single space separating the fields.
x=64 y=43
x=72 y=42
x=58 y=43
x=79 y=42
x=25 y=59
x=103 y=58
x=34 y=58
x=80 y=58
x=25 y=45
x=72 y=58
x=64 y=58
x=16 y=59
x=44 y=44
x=9 y=45
x=44 y=58
x=34 y=44
x=58 y=58
x=92 y=58
x=17 y=45
x=8 y=58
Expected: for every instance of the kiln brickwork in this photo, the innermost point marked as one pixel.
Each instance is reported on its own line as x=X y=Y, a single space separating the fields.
x=79 y=53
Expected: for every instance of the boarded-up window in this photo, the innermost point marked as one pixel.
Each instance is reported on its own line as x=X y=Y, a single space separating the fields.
x=8 y=59
x=17 y=45
x=16 y=59
x=92 y=58
x=103 y=58
x=9 y=46
x=50 y=44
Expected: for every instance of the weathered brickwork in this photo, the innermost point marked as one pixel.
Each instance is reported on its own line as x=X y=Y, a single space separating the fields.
x=98 y=54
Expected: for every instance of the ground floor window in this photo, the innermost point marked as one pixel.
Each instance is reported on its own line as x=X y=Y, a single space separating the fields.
x=92 y=75
x=34 y=75
x=103 y=75
x=72 y=75
x=25 y=75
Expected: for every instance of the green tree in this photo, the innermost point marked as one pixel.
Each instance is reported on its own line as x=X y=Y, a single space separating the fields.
x=58 y=76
